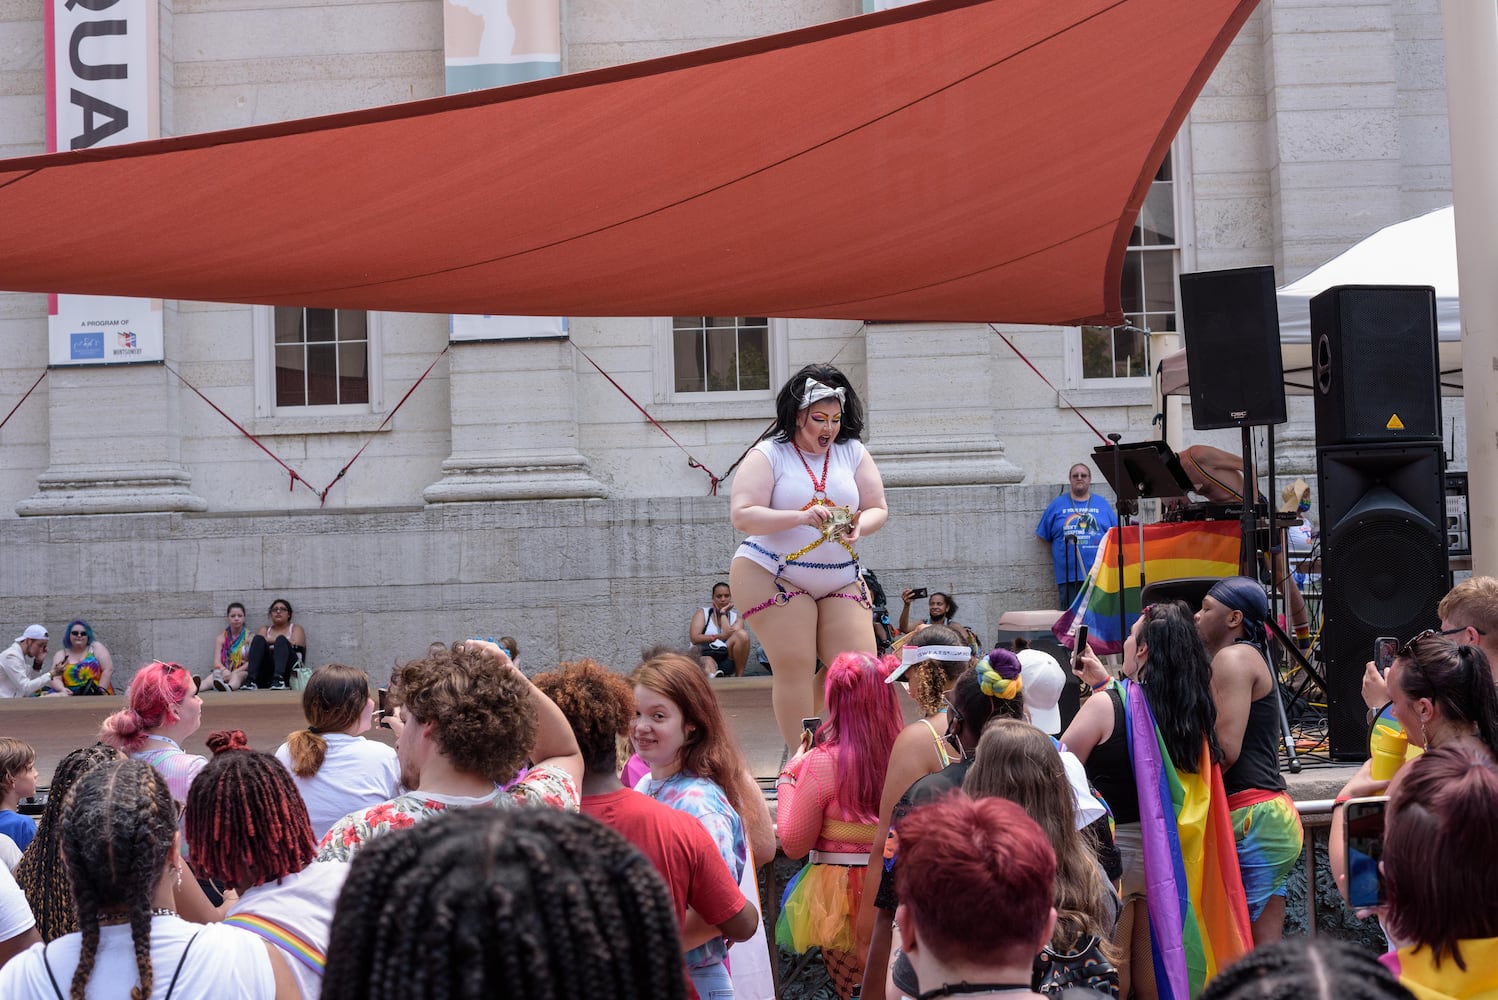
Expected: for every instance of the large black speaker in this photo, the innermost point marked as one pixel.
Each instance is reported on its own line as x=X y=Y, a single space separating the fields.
x=1377 y=371
x=1232 y=326
x=1384 y=565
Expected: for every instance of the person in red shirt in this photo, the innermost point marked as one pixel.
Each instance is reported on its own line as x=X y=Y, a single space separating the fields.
x=600 y=706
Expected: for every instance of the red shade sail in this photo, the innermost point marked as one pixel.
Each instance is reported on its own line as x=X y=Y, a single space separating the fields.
x=967 y=160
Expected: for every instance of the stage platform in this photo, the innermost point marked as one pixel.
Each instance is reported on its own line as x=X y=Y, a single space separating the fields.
x=55 y=726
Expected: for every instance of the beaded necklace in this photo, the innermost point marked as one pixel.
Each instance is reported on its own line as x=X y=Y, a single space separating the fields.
x=818 y=489
x=113 y=919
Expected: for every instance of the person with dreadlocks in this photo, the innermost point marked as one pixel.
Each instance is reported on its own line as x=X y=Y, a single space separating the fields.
x=247 y=829
x=1306 y=968
x=600 y=706
x=122 y=848
x=43 y=873
x=1266 y=825
x=468 y=719
x=528 y=904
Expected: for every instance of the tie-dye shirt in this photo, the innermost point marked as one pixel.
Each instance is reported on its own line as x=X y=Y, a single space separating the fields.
x=702 y=798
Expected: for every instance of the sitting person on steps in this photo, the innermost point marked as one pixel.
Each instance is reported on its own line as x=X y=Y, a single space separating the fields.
x=276 y=650
x=718 y=633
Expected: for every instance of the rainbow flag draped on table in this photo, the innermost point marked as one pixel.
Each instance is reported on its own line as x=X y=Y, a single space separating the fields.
x=1171 y=551
x=1198 y=912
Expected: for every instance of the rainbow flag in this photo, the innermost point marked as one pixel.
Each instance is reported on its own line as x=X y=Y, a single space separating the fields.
x=1198 y=912
x=1172 y=552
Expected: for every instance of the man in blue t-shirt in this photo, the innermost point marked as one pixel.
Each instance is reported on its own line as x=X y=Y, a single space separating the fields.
x=1074 y=524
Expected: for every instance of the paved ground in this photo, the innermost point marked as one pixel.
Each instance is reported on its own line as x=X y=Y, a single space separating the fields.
x=54 y=726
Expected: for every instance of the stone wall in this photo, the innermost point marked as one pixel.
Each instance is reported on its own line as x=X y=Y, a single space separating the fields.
x=568 y=578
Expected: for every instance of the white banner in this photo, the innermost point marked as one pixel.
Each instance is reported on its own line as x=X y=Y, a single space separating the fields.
x=102 y=90
x=492 y=43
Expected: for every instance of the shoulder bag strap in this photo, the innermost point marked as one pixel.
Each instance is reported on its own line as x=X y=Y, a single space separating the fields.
x=55 y=988
x=171 y=988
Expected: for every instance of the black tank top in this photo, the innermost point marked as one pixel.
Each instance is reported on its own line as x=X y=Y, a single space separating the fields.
x=1258 y=763
x=1109 y=769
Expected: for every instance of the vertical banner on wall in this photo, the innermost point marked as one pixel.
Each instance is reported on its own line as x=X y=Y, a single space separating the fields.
x=491 y=43
x=102 y=90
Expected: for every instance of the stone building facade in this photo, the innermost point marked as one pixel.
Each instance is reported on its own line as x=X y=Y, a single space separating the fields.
x=519 y=492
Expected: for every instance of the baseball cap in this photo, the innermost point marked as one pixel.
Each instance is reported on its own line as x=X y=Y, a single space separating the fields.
x=32 y=632
x=1044 y=680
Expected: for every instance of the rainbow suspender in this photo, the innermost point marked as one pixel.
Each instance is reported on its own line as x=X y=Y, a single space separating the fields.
x=283 y=937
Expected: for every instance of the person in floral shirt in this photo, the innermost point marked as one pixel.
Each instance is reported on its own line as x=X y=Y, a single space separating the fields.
x=468 y=718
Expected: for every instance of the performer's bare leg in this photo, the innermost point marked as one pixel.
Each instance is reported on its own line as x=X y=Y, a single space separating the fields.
x=787 y=632
x=844 y=626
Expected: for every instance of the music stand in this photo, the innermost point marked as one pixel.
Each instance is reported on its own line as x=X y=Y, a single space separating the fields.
x=1140 y=469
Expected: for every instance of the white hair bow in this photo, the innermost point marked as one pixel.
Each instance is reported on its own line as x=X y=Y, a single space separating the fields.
x=815 y=391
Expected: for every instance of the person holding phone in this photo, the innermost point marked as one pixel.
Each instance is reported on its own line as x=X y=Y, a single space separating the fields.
x=1440 y=884
x=1440 y=694
x=827 y=809
x=336 y=769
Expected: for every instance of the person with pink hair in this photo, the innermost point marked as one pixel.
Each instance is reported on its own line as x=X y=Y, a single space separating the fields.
x=162 y=710
x=828 y=808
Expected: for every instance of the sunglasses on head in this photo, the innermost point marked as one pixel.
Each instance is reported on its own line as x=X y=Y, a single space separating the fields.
x=1408 y=649
x=197 y=682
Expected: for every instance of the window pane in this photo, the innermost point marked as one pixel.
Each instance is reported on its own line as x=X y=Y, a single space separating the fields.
x=322 y=374
x=754 y=358
x=1097 y=352
x=321 y=325
x=290 y=378
x=353 y=373
x=686 y=356
x=1159 y=280
x=353 y=324
x=1157 y=219
x=289 y=326
x=1132 y=295
x=722 y=360
x=1129 y=354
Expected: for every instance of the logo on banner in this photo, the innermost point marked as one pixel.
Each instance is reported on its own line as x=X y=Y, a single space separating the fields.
x=86 y=346
x=126 y=341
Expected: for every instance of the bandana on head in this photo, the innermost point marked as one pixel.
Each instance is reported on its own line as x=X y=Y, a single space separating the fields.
x=815 y=392
x=1239 y=593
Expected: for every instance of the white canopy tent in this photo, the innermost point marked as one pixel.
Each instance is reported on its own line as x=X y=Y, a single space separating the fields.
x=1418 y=251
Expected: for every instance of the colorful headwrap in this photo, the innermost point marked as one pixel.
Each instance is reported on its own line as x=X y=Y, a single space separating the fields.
x=999 y=675
x=1239 y=593
x=815 y=391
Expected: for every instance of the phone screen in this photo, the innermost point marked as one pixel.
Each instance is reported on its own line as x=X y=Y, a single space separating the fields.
x=1365 y=849
x=918 y=592
x=1081 y=645
x=1384 y=649
x=811 y=726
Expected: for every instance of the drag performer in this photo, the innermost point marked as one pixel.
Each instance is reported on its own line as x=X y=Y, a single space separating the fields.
x=806 y=494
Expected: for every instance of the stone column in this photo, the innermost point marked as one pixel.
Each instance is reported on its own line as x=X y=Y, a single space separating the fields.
x=114 y=442
x=933 y=420
x=1334 y=137
x=514 y=425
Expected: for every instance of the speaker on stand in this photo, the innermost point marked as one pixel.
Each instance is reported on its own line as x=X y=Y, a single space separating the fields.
x=1381 y=475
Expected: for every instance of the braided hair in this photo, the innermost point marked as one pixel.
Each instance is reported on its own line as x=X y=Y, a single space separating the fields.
x=1306 y=968
x=246 y=821
x=537 y=904
x=43 y=873
x=119 y=827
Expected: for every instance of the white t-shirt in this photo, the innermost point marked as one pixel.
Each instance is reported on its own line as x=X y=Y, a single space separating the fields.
x=793 y=487
x=224 y=963
x=356 y=774
x=10 y=854
x=303 y=903
x=15 y=913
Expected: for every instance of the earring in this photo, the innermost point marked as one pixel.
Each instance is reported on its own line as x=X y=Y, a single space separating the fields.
x=1424 y=739
x=179 y=876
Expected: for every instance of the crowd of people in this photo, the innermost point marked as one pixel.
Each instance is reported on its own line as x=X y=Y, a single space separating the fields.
x=589 y=831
